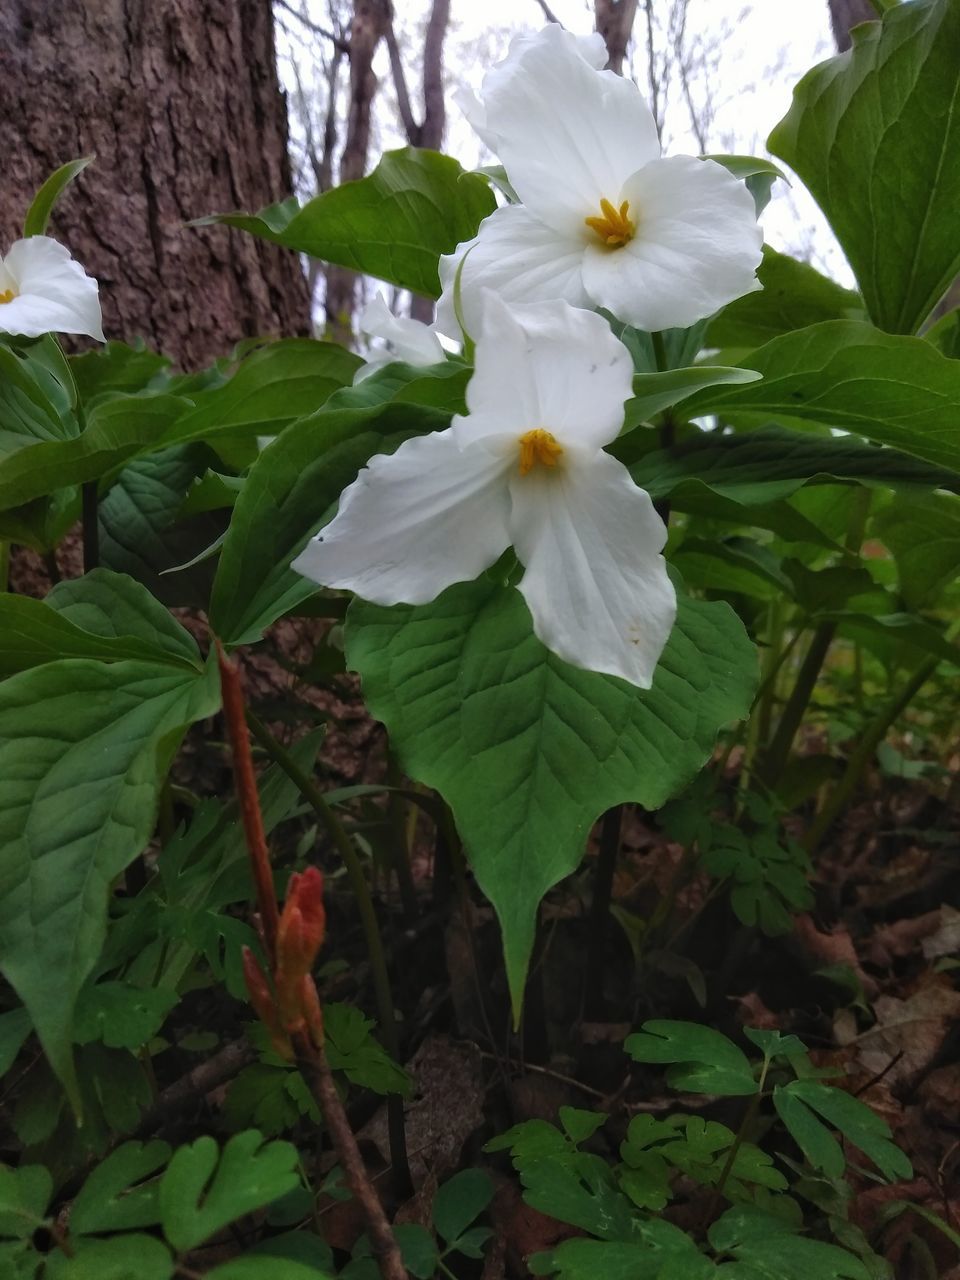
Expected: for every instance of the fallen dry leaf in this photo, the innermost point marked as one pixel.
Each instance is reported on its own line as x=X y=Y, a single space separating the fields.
x=913 y=1028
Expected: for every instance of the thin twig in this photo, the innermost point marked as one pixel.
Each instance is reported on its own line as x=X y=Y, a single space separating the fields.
x=337 y=41
x=249 y=801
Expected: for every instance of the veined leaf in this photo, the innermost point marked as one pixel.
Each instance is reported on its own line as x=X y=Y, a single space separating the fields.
x=393 y=224
x=875 y=135
x=529 y=751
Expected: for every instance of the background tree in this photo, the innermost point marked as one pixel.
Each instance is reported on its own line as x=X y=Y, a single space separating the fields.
x=180 y=102
x=845 y=14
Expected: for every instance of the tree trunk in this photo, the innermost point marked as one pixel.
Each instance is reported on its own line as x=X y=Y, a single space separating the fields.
x=179 y=101
x=370 y=21
x=845 y=14
x=614 y=19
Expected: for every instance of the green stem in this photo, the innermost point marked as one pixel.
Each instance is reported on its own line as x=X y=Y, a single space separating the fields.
x=368 y=918
x=399 y=847
x=593 y=1001
x=863 y=753
x=774 y=759
x=748 y=1118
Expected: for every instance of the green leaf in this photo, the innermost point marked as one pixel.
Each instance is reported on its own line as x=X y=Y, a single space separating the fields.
x=273 y=385
x=15 y=1026
x=203 y=1190
x=38 y=215
x=875 y=135
x=144 y=534
x=115 y=431
x=793 y=296
x=118 y=367
x=260 y=1266
x=121 y=1015
x=34 y=405
x=892 y=390
x=770 y=1249
x=113 y=607
x=663 y=1252
x=655 y=391
x=702 y=1060
x=121 y=1194
x=858 y=1124
x=132 y=1257
x=529 y=751
x=460 y=1201
x=394 y=224
x=24 y=1196
x=924 y=536
x=83 y=750
x=579 y=1125
x=291 y=492
x=811 y=1136
x=770 y=463
x=353 y=1050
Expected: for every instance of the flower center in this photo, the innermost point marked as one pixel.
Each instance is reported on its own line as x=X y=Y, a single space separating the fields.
x=538 y=446
x=614 y=227
x=7 y=295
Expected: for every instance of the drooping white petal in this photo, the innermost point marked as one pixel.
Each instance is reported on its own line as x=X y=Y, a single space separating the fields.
x=54 y=293
x=697 y=246
x=517 y=256
x=566 y=133
x=547 y=365
x=595 y=581
x=410 y=340
x=413 y=523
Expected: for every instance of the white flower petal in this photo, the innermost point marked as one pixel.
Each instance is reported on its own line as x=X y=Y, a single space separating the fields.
x=410 y=340
x=566 y=133
x=595 y=582
x=55 y=295
x=413 y=523
x=697 y=246
x=517 y=256
x=546 y=365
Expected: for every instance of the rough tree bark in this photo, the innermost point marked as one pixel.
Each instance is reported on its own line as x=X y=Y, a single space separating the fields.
x=845 y=14
x=370 y=21
x=614 y=20
x=180 y=102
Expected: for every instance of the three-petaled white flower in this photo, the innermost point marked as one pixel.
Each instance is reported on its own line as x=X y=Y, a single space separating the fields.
x=524 y=467
x=395 y=338
x=44 y=290
x=604 y=221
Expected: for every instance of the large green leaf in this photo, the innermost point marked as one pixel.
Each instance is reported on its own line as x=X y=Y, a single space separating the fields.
x=84 y=746
x=892 y=390
x=769 y=463
x=793 y=296
x=701 y=1060
x=272 y=386
x=117 y=429
x=38 y=215
x=529 y=751
x=655 y=391
x=393 y=224
x=144 y=533
x=924 y=536
x=291 y=491
x=875 y=135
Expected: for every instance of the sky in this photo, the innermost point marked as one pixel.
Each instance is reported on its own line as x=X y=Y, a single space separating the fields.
x=745 y=56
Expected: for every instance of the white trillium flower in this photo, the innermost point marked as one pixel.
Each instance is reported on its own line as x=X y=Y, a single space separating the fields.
x=395 y=338
x=525 y=467
x=604 y=220
x=44 y=290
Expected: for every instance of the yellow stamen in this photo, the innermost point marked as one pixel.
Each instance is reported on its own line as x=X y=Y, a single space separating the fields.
x=538 y=446
x=8 y=295
x=614 y=227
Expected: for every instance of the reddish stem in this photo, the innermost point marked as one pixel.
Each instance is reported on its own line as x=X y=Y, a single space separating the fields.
x=248 y=799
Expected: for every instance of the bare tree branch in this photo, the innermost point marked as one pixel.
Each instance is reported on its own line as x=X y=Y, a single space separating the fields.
x=410 y=126
x=338 y=41
x=434 y=106
x=614 y=21
x=548 y=13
